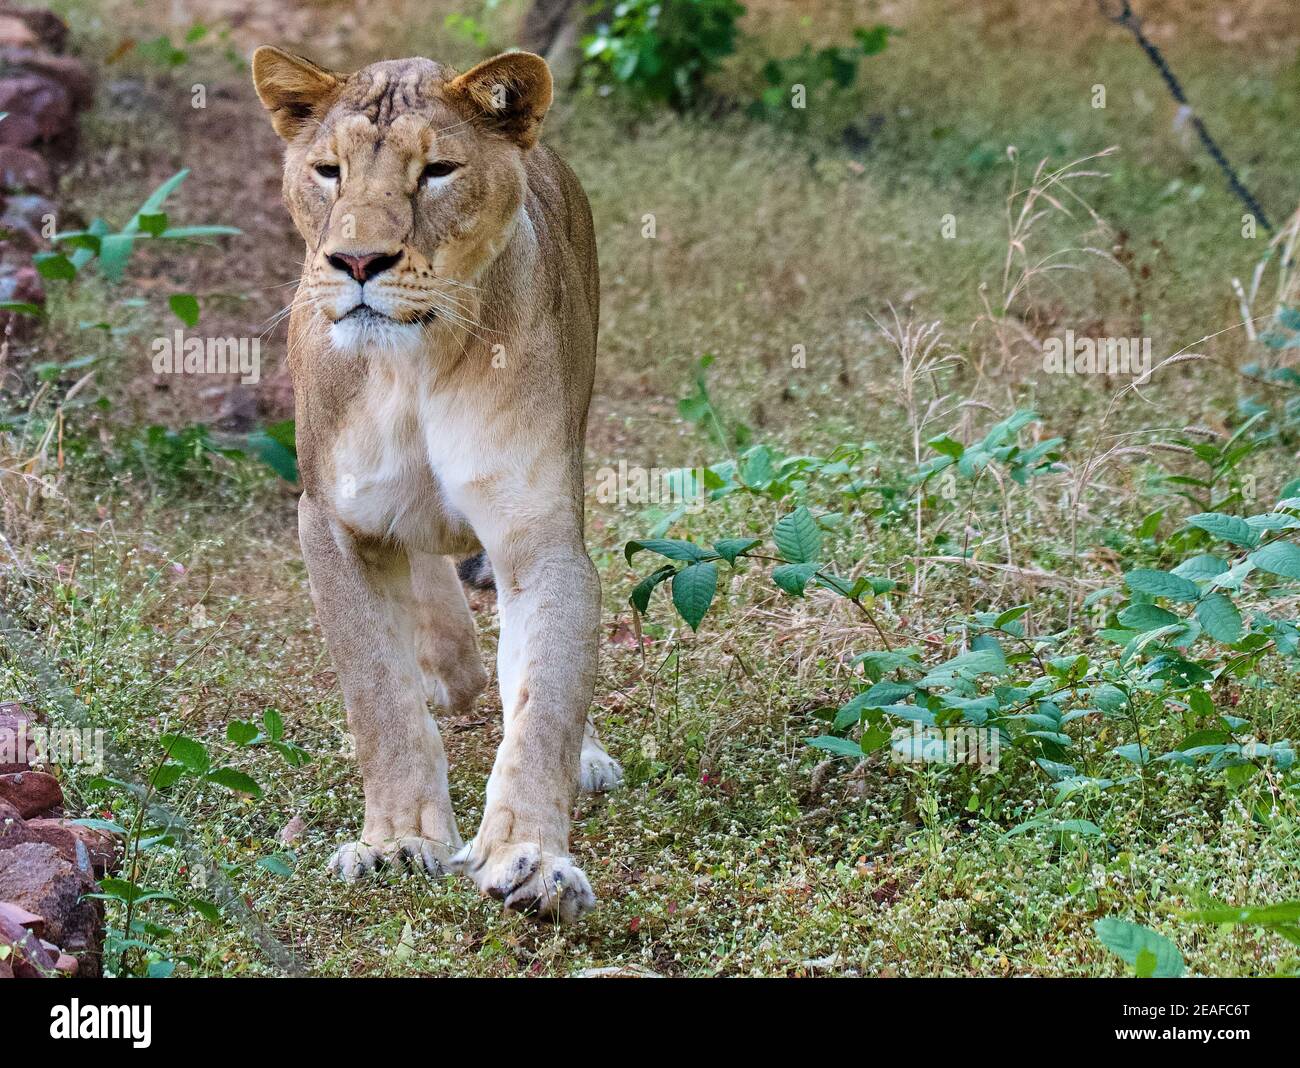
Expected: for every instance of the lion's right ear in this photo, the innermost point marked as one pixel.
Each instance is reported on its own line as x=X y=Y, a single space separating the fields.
x=294 y=90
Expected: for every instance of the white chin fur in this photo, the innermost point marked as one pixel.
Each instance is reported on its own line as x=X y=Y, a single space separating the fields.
x=358 y=335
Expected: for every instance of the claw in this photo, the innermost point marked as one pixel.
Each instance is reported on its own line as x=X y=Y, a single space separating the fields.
x=354 y=859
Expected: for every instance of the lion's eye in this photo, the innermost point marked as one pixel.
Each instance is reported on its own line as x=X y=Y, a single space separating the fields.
x=438 y=169
x=327 y=170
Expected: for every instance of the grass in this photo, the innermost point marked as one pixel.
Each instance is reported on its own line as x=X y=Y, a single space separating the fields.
x=734 y=848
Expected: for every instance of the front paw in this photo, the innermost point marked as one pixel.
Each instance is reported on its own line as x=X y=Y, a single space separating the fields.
x=598 y=771
x=353 y=860
x=527 y=879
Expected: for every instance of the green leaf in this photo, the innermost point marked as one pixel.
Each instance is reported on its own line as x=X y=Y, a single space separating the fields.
x=294 y=755
x=21 y=307
x=188 y=233
x=1128 y=940
x=274 y=723
x=1220 y=618
x=1233 y=578
x=120 y=889
x=235 y=780
x=947 y=446
x=101 y=825
x=672 y=548
x=1010 y=616
x=187 y=751
x=1143 y=617
x=1284 y=912
x=693 y=589
x=838 y=746
x=878 y=661
x=640 y=598
x=206 y=909
x=798 y=537
x=1278 y=558
x=279 y=864
x=1161 y=584
x=186 y=308
x=114 y=252
x=730 y=548
x=154 y=223
x=54 y=265
x=793 y=578
x=1225 y=528
x=272 y=451
x=156 y=199
x=241 y=732
x=166 y=775
x=1200 y=567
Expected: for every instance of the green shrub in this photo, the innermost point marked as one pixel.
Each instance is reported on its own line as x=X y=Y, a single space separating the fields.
x=661 y=51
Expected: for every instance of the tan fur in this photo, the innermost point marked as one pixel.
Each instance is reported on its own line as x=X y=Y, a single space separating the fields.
x=447 y=414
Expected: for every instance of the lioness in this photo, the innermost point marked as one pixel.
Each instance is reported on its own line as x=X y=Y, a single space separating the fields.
x=442 y=343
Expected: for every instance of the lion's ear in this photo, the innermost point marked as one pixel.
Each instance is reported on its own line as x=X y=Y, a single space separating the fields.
x=294 y=90
x=509 y=93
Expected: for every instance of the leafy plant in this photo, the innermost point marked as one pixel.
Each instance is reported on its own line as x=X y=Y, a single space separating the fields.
x=661 y=52
x=818 y=73
x=154 y=829
x=111 y=249
x=1150 y=954
x=693 y=573
x=1282 y=919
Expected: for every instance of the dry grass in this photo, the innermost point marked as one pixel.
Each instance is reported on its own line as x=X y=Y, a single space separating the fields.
x=727 y=853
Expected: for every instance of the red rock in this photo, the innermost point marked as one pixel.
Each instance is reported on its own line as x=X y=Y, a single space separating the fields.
x=36 y=877
x=16 y=726
x=19 y=130
x=37 y=108
x=15 y=748
x=24 y=219
x=77 y=77
x=21 y=168
x=14 y=833
x=32 y=793
x=15 y=32
x=29 y=959
x=45 y=26
x=19 y=284
x=23 y=918
x=99 y=849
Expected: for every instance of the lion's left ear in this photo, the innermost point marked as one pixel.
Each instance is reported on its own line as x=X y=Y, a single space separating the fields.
x=509 y=93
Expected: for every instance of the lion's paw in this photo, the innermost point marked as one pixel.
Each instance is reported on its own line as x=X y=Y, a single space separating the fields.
x=526 y=879
x=599 y=771
x=353 y=860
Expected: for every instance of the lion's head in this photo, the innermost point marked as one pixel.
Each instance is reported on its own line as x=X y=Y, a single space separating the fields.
x=405 y=179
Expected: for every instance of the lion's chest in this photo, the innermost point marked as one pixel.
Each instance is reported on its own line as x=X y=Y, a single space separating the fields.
x=384 y=485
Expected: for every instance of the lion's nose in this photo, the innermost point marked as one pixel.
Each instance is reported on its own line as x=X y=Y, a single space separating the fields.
x=365 y=266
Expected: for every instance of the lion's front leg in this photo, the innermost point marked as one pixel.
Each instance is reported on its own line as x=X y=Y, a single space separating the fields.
x=368 y=610
x=549 y=598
